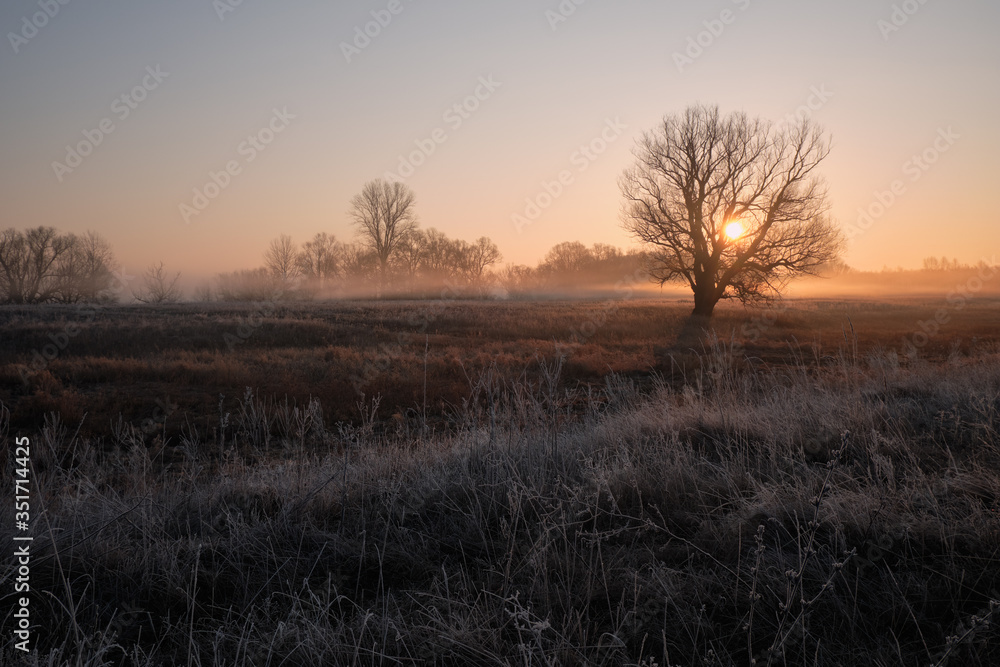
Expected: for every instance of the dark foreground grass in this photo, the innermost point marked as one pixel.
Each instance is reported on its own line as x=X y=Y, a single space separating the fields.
x=838 y=510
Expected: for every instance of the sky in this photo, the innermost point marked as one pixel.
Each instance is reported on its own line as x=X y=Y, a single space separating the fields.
x=193 y=132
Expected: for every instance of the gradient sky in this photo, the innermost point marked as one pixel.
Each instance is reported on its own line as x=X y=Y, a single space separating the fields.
x=891 y=95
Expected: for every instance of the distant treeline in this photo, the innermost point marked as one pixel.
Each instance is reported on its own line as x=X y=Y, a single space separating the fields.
x=930 y=264
x=425 y=263
x=43 y=265
x=327 y=267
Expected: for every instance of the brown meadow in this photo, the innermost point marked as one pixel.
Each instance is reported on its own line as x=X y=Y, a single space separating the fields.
x=427 y=483
x=122 y=360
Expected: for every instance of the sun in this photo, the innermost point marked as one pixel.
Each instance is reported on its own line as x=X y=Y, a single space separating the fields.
x=734 y=230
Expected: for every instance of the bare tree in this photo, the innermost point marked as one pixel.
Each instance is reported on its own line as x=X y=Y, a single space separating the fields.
x=13 y=260
x=731 y=206
x=567 y=257
x=86 y=271
x=360 y=265
x=518 y=278
x=384 y=215
x=410 y=253
x=28 y=264
x=605 y=252
x=439 y=255
x=481 y=255
x=320 y=259
x=281 y=259
x=158 y=286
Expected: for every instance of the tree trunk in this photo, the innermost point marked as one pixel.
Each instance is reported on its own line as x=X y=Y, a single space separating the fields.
x=704 y=300
x=383 y=270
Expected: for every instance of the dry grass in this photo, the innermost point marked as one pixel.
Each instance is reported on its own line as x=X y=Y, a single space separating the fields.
x=835 y=507
x=122 y=360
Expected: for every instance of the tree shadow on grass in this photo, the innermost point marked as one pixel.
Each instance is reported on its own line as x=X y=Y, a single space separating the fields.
x=693 y=333
x=686 y=347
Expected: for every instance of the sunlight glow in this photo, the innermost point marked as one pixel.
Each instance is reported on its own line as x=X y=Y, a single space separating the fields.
x=734 y=230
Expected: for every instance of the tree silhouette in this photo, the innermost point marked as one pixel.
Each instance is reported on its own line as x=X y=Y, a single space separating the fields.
x=731 y=206
x=481 y=255
x=158 y=286
x=87 y=271
x=281 y=259
x=320 y=259
x=29 y=264
x=383 y=213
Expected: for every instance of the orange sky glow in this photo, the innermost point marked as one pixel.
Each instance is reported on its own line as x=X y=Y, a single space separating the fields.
x=193 y=132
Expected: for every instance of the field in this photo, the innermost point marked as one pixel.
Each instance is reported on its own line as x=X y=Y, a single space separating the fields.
x=509 y=482
x=121 y=363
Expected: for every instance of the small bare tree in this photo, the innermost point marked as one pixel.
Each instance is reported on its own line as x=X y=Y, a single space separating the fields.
x=281 y=259
x=384 y=215
x=481 y=255
x=320 y=259
x=157 y=286
x=731 y=206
